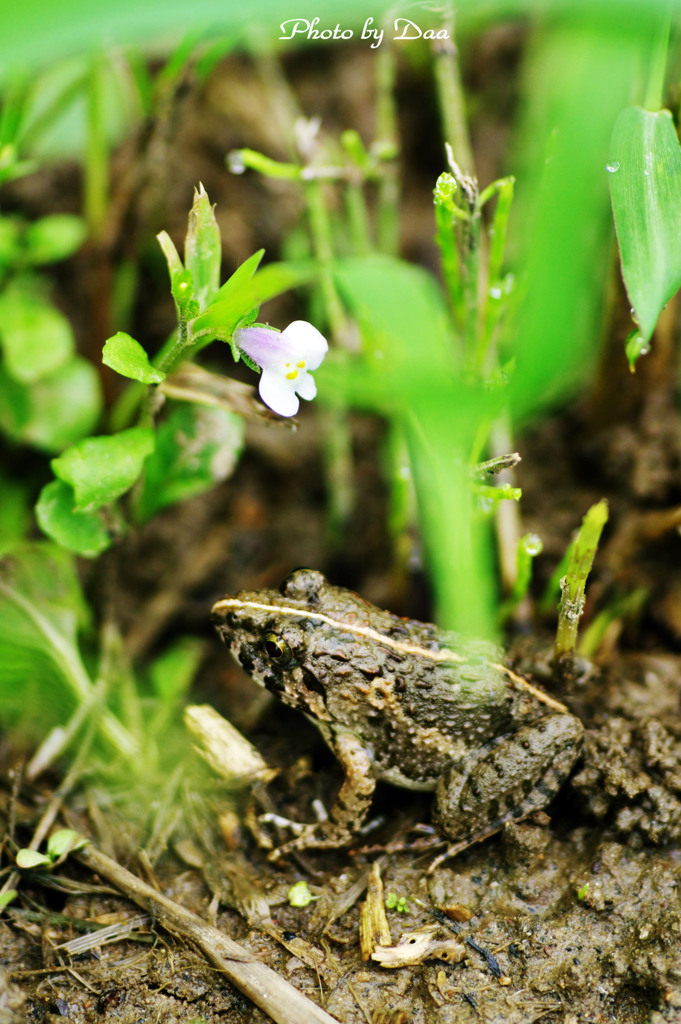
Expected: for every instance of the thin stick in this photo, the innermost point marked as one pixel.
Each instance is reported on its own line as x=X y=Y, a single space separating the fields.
x=272 y=994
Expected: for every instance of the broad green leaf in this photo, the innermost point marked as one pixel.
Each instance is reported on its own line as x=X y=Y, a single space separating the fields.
x=54 y=238
x=55 y=120
x=578 y=79
x=53 y=412
x=42 y=675
x=36 y=338
x=197 y=446
x=224 y=314
x=65 y=840
x=405 y=331
x=78 y=531
x=410 y=370
x=7 y=897
x=645 y=188
x=240 y=278
x=100 y=469
x=28 y=859
x=171 y=676
x=202 y=248
x=173 y=671
x=127 y=357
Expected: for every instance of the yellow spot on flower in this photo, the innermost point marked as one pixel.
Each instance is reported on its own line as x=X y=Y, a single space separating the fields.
x=301 y=364
x=292 y=375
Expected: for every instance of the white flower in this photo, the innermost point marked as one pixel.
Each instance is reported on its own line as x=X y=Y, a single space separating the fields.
x=285 y=360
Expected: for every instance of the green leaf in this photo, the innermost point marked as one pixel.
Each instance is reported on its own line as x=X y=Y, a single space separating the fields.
x=645 y=188
x=173 y=671
x=405 y=331
x=197 y=446
x=42 y=675
x=202 y=248
x=240 y=278
x=410 y=370
x=78 y=531
x=54 y=412
x=28 y=859
x=635 y=345
x=7 y=897
x=171 y=676
x=54 y=238
x=127 y=357
x=36 y=337
x=63 y=841
x=100 y=469
x=175 y=265
x=230 y=305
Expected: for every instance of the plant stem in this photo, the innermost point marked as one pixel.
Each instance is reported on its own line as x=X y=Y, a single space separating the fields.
x=358 y=219
x=322 y=246
x=660 y=48
x=96 y=158
x=387 y=141
x=450 y=97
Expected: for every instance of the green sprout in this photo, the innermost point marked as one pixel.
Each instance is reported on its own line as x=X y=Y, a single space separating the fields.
x=398 y=903
x=573 y=583
x=59 y=846
x=299 y=895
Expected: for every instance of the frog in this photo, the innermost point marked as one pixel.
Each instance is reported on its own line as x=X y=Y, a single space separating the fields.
x=401 y=701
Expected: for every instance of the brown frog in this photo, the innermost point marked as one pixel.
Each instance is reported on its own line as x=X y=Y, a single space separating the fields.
x=401 y=701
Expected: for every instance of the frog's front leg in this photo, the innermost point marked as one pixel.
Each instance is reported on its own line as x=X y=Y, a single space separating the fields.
x=351 y=805
x=510 y=779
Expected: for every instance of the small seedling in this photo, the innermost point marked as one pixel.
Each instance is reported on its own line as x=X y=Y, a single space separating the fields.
x=59 y=846
x=398 y=903
x=299 y=895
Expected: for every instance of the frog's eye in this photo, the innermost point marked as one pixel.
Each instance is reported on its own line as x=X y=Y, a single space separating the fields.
x=277 y=648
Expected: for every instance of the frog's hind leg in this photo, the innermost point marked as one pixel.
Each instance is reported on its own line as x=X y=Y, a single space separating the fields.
x=513 y=777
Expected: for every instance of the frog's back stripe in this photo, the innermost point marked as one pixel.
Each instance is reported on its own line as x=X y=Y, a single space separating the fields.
x=441 y=656
x=522 y=684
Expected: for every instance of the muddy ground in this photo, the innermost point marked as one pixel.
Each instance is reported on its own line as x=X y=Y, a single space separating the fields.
x=573 y=917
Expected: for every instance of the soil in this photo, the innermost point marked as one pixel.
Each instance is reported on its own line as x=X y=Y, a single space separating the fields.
x=572 y=918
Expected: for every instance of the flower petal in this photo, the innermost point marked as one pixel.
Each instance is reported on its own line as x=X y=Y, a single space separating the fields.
x=306 y=387
x=277 y=392
x=311 y=344
x=266 y=347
